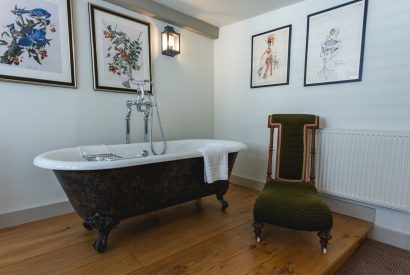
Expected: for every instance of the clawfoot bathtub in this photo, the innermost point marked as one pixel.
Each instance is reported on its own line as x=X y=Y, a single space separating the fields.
x=122 y=183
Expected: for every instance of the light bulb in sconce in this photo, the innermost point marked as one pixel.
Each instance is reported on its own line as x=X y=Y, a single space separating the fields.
x=171 y=42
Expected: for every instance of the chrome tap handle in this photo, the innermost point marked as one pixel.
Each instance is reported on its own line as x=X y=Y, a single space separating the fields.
x=129 y=104
x=129 y=109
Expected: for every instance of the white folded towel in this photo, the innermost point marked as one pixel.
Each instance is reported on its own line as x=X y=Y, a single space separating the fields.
x=215 y=163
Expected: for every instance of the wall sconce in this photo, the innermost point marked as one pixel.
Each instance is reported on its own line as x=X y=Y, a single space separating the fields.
x=170 y=41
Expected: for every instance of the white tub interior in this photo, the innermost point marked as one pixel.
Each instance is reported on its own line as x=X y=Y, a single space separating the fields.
x=72 y=158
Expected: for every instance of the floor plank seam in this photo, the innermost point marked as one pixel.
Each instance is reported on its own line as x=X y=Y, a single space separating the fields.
x=194 y=244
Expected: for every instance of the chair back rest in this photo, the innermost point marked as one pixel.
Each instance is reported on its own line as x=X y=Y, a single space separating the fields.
x=292 y=143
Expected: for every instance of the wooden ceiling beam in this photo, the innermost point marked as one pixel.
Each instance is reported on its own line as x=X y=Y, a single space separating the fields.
x=166 y=14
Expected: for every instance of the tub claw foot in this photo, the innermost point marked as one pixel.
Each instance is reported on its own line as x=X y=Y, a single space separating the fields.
x=100 y=244
x=104 y=225
x=87 y=226
x=224 y=203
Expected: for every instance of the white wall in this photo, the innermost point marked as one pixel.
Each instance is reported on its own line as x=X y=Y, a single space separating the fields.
x=380 y=101
x=35 y=119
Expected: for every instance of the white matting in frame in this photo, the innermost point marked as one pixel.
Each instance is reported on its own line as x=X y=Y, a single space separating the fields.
x=121 y=51
x=36 y=42
x=335 y=44
x=271 y=57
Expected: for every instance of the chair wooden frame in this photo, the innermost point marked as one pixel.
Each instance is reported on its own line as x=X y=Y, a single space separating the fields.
x=278 y=126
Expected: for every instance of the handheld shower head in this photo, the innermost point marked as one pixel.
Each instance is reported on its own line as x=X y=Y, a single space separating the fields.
x=140 y=86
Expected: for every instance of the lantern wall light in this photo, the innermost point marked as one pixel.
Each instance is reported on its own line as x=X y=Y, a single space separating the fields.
x=170 y=41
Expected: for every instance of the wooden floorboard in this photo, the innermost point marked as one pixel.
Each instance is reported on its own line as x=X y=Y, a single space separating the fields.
x=191 y=238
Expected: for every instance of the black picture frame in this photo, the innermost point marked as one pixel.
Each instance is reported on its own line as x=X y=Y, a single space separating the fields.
x=276 y=62
x=337 y=74
x=97 y=85
x=40 y=77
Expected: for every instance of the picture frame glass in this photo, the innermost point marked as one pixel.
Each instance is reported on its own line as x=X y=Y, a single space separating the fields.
x=121 y=51
x=271 y=57
x=36 y=42
x=334 y=47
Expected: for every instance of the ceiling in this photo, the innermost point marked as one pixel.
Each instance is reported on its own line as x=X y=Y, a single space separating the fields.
x=224 y=12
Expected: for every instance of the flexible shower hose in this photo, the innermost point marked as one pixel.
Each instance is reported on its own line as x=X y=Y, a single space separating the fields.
x=155 y=105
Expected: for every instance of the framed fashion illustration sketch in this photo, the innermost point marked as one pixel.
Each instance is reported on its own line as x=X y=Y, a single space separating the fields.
x=271 y=57
x=120 y=50
x=335 y=44
x=36 y=42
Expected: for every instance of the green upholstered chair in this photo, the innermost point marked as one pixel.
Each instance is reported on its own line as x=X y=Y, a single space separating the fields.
x=289 y=200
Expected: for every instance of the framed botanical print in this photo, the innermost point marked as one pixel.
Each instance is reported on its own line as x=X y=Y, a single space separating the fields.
x=120 y=50
x=335 y=44
x=36 y=42
x=271 y=57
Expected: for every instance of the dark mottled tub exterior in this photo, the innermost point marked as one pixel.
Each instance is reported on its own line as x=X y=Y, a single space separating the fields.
x=104 y=197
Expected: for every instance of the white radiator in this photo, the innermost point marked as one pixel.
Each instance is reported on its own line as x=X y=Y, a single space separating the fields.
x=367 y=166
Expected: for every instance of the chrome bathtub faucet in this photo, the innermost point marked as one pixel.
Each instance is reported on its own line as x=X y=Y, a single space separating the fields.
x=142 y=106
x=148 y=106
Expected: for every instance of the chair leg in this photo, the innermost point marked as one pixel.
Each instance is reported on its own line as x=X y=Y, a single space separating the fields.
x=258 y=231
x=324 y=240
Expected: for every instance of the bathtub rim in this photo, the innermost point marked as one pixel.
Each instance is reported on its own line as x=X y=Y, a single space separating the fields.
x=43 y=160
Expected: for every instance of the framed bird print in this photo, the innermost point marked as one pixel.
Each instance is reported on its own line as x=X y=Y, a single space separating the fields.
x=271 y=57
x=335 y=44
x=121 y=51
x=36 y=42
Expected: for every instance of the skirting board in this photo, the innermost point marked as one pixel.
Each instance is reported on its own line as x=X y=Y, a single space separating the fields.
x=378 y=233
x=388 y=236
x=35 y=214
